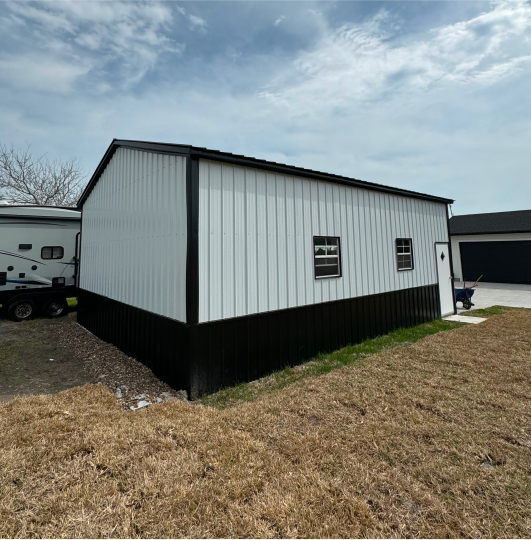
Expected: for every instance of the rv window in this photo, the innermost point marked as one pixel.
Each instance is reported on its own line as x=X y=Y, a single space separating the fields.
x=3 y=278
x=404 y=254
x=52 y=252
x=327 y=259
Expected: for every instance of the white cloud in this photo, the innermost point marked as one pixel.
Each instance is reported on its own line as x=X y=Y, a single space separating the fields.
x=41 y=72
x=197 y=22
x=360 y=62
x=130 y=35
x=279 y=20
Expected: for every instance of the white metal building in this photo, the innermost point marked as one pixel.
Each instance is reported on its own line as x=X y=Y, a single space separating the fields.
x=214 y=268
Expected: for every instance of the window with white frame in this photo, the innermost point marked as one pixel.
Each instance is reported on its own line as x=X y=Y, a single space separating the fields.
x=404 y=254
x=327 y=257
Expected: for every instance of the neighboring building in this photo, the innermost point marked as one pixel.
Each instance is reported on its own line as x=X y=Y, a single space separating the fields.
x=495 y=245
x=213 y=268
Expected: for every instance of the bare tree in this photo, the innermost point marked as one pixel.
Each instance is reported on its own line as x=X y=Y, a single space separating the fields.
x=27 y=179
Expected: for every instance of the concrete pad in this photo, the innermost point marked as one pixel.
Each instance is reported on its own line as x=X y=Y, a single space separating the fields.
x=464 y=319
x=497 y=294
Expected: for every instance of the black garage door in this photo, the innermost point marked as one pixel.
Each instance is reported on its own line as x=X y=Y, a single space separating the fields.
x=499 y=262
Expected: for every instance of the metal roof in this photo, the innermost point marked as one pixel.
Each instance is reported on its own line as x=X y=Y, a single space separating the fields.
x=244 y=161
x=518 y=221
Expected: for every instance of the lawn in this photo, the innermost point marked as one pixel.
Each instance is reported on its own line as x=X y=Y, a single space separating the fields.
x=428 y=439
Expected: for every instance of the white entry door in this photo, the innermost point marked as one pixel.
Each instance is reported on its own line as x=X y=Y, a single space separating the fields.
x=446 y=287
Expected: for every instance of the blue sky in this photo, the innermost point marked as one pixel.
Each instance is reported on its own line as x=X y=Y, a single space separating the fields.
x=429 y=96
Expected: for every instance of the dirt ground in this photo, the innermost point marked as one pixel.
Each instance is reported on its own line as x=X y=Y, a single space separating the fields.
x=25 y=352
x=430 y=440
x=44 y=356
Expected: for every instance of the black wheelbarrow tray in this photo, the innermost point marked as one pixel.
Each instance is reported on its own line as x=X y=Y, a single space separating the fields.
x=464 y=296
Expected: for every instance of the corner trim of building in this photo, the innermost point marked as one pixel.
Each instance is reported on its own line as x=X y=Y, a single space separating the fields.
x=192 y=248
x=451 y=257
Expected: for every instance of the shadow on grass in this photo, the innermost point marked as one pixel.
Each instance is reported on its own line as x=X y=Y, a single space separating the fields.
x=324 y=363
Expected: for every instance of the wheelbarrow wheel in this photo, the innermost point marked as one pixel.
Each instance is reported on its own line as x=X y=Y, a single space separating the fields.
x=467 y=304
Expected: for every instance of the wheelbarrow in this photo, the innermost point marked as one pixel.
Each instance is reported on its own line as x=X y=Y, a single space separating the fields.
x=465 y=294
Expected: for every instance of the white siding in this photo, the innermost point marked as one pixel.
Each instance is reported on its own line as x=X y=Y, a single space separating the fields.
x=134 y=233
x=256 y=234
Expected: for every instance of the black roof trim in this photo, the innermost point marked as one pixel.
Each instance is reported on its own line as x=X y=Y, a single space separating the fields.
x=43 y=218
x=516 y=221
x=72 y=208
x=244 y=161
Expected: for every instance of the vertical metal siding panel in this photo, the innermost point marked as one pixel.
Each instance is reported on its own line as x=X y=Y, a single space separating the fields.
x=358 y=243
x=294 y=256
x=380 y=240
x=414 y=241
x=204 y=240
x=336 y=285
x=425 y=243
x=240 y=243
x=369 y=262
x=216 y=242
x=317 y=224
x=407 y=234
x=426 y=235
x=227 y=242
x=251 y=241
x=388 y=245
x=297 y=274
x=324 y=231
x=272 y=241
x=262 y=241
x=346 y=245
x=420 y=242
x=282 y=239
x=433 y=236
x=308 y=294
x=350 y=290
x=364 y=242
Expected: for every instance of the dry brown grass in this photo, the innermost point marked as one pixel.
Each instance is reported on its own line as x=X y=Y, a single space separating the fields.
x=431 y=440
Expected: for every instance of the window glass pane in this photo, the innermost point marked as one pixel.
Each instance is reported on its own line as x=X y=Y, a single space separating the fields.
x=331 y=241
x=330 y=270
x=320 y=250
x=57 y=252
x=324 y=261
x=331 y=250
x=319 y=241
x=46 y=253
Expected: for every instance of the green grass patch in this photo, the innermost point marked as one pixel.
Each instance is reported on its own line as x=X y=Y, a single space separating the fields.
x=324 y=363
x=488 y=312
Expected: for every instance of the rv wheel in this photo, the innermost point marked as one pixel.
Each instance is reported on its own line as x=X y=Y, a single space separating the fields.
x=55 y=307
x=23 y=310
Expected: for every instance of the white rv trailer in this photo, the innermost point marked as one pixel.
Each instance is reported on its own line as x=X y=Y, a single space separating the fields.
x=38 y=261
